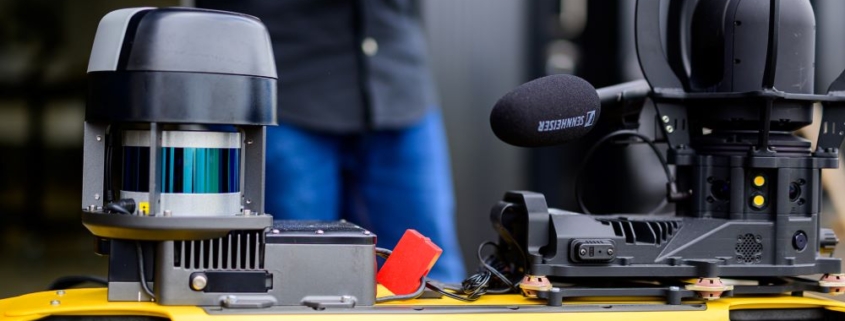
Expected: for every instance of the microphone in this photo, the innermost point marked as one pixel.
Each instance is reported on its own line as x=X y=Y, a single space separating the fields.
x=546 y=111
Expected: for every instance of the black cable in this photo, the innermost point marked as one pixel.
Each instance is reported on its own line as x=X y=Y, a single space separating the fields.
x=424 y=283
x=111 y=207
x=772 y=45
x=143 y=277
x=478 y=284
x=108 y=175
x=510 y=286
x=495 y=266
x=448 y=294
x=492 y=276
x=472 y=287
x=403 y=297
x=67 y=282
x=383 y=252
x=589 y=155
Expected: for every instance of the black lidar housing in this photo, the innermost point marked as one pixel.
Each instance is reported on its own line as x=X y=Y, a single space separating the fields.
x=187 y=66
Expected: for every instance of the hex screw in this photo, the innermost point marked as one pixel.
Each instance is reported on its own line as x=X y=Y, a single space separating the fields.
x=609 y=251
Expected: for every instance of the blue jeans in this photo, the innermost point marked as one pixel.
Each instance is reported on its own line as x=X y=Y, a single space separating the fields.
x=385 y=181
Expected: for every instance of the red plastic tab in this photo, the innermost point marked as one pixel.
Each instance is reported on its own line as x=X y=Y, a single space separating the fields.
x=412 y=258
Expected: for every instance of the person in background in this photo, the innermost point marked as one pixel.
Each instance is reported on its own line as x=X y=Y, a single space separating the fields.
x=360 y=134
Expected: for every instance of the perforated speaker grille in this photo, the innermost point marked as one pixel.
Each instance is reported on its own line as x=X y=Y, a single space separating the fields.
x=749 y=248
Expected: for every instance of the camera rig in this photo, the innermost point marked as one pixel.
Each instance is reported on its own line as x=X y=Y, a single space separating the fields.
x=747 y=191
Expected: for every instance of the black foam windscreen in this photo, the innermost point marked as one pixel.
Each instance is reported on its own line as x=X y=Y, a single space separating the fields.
x=546 y=111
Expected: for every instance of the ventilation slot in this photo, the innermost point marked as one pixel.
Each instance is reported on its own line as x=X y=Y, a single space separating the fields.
x=239 y=250
x=629 y=232
x=644 y=232
x=648 y=232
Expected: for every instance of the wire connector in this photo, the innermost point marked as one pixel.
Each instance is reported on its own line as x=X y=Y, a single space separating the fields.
x=410 y=262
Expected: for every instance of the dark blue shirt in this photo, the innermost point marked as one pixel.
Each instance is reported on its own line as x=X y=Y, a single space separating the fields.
x=345 y=66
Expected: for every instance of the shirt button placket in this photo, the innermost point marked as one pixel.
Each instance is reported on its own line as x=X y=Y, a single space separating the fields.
x=369 y=46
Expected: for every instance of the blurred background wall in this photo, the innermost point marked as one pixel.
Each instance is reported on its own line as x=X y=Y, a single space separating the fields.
x=480 y=49
x=44 y=48
x=479 y=52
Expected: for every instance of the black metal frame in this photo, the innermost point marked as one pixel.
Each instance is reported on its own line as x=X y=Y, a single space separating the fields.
x=157 y=227
x=674 y=292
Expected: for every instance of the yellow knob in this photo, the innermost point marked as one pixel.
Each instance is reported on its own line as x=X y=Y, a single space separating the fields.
x=758 y=200
x=759 y=180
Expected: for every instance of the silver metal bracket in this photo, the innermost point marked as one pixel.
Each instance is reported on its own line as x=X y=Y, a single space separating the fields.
x=247 y=301
x=322 y=302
